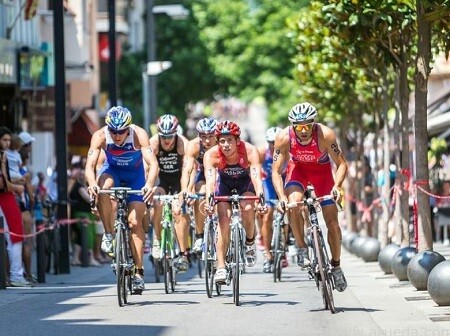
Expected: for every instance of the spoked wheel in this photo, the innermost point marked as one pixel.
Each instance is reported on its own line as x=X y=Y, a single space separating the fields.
x=324 y=281
x=208 y=251
x=120 y=252
x=167 y=269
x=277 y=254
x=172 y=274
x=236 y=260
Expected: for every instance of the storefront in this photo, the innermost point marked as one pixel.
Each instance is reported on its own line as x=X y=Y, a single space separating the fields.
x=10 y=109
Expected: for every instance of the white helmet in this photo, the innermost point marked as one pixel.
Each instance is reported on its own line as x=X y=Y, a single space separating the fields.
x=302 y=112
x=271 y=133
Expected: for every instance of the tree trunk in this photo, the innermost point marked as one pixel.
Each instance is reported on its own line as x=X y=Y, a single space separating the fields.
x=385 y=190
x=424 y=235
x=406 y=167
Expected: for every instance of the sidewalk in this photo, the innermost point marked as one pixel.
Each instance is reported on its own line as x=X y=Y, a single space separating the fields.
x=395 y=305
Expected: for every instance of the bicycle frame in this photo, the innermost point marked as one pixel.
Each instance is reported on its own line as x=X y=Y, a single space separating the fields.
x=320 y=267
x=168 y=251
x=123 y=264
x=235 y=253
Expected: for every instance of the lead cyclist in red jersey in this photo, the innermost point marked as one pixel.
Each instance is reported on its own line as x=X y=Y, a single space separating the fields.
x=307 y=146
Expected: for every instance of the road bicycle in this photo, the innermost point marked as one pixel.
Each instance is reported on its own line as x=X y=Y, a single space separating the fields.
x=320 y=267
x=235 y=254
x=168 y=242
x=278 y=244
x=123 y=262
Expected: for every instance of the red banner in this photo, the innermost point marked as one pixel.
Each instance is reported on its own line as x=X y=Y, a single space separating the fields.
x=103 y=48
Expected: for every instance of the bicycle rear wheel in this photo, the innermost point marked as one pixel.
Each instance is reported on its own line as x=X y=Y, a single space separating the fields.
x=120 y=259
x=208 y=257
x=324 y=281
x=236 y=266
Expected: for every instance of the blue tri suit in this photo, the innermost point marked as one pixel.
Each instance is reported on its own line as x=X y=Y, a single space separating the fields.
x=125 y=164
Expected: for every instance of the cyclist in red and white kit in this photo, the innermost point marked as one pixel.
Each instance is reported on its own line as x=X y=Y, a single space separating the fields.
x=307 y=146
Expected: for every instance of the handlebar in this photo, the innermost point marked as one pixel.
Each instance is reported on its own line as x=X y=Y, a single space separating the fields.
x=118 y=192
x=165 y=198
x=312 y=201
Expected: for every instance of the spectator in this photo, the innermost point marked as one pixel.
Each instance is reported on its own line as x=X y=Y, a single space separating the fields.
x=27 y=216
x=10 y=211
x=81 y=209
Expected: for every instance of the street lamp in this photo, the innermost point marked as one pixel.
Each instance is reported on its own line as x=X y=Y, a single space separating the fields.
x=153 y=69
x=176 y=12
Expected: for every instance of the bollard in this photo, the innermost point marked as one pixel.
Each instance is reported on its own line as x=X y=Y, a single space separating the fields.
x=3 y=255
x=41 y=257
x=84 y=243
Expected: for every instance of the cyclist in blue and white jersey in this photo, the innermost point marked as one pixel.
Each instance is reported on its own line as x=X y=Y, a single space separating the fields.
x=126 y=147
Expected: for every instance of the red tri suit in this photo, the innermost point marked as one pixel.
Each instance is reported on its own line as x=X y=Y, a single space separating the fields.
x=308 y=165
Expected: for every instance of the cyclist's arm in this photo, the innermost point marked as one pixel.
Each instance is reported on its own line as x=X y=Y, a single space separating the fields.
x=211 y=162
x=188 y=165
x=280 y=155
x=93 y=154
x=148 y=156
x=255 y=168
x=335 y=152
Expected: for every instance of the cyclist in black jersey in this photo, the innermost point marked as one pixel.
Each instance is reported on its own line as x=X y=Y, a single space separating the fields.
x=169 y=148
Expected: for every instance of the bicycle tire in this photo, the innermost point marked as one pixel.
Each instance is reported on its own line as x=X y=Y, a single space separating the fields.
x=236 y=265
x=324 y=281
x=157 y=268
x=119 y=264
x=208 y=252
x=276 y=252
x=166 y=268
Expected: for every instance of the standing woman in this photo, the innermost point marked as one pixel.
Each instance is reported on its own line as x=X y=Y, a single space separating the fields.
x=10 y=211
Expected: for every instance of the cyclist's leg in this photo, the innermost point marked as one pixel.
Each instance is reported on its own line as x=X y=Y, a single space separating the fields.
x=157 y=215
x=223 y=234
x=135 y=213
x=267 y=232
x=330 y=215
x=106 y=209
x=182 y=234
x=294 y=190
x=199 y=216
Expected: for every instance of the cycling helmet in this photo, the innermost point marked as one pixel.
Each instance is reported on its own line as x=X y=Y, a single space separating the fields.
x=302 y=112
x=180 y=130
x=271 y=133
x=206 y=125
x=167 y=125
x=118 y=118
x=227 y=127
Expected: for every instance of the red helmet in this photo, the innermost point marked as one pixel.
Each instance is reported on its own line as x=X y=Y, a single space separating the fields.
x=227 y=127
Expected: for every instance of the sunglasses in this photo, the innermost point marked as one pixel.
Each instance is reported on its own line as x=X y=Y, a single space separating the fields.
x=117 y=132
x=167 y=137
x=307 y=127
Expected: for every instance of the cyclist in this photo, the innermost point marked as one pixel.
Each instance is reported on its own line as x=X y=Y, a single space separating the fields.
x=125 y=147
x=194 y=157
x=169 y=148
x=308 y=146
x=236 y=164
x=266 y=157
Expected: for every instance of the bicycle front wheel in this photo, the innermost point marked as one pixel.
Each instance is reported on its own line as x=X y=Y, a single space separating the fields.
x=236 y=263
x=208 y=257
x=120 y=256
x=276 y=253
x=324 y=281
